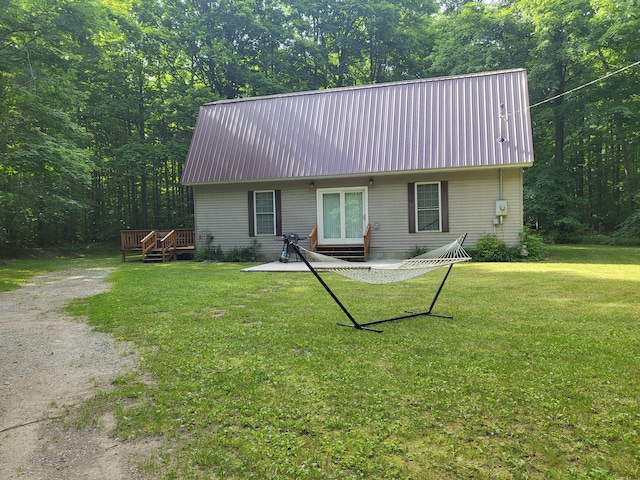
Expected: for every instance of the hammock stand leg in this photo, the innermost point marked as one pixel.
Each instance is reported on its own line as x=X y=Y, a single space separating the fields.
x=417 y=314
x=354 y=324
x=433 y=302
x=366 y=325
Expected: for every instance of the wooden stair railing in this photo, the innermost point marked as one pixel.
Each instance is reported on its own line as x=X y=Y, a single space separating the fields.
x=352 y=252
x=168 y=246
x=313 y=238
x=366 y=241
x=149 y=242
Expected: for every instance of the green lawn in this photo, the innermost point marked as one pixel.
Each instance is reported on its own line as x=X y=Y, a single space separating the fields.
x=246 y=375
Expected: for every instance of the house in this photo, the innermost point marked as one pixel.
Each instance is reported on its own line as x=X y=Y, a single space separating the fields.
x=384 y=167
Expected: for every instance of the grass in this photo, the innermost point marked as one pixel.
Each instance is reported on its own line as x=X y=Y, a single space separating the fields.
x=246 y=375
x=22 y=265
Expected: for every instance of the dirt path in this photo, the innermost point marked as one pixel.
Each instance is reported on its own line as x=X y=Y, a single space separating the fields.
x=48 y=363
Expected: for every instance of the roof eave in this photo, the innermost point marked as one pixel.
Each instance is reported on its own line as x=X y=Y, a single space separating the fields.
x=362 y=174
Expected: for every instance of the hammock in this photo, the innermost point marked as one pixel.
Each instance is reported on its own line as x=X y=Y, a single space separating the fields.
x=395 y=272
x=447 y=255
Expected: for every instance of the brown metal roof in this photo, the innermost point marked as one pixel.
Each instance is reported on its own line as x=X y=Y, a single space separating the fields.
x=445 y=122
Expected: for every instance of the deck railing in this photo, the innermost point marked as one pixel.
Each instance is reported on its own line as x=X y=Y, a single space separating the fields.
x=130 y=239
x=185 y=237
x=149 y=242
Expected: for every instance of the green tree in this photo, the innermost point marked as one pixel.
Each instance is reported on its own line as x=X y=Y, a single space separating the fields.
x=560 y=31
x=551 y=204
x=478 y=37
x=141 y=111
x=587 y=131
x=362 y=41
x=44 y=162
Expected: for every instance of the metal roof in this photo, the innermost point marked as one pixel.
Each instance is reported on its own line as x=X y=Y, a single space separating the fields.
x=448 y=122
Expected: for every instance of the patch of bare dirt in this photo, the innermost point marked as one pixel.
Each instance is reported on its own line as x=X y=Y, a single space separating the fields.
x=50 y=363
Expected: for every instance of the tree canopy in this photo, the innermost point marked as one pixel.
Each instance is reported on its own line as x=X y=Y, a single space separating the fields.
x=98 y=98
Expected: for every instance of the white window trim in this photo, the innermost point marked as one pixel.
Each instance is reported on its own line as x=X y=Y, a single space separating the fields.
x=439 y=230
x=273 y=212
x=341 y=191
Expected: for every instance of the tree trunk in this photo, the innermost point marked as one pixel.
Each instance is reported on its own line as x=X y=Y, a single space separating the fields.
x=558 y=116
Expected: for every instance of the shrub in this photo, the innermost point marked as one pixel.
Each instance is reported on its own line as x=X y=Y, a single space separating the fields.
x=236 y=254
x=255 y=252
x=489 y=248
x=245 y=254
x=628 y=232
x=210 y=254
x=416 y=251
x=532 y=244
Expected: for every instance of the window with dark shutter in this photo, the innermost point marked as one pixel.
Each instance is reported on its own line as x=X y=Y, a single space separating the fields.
x=428 y=207
x=265 y=216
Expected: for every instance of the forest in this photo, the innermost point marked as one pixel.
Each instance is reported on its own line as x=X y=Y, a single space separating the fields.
x=99 y=98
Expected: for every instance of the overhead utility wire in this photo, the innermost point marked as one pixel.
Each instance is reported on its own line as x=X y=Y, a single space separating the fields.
x=586 y=84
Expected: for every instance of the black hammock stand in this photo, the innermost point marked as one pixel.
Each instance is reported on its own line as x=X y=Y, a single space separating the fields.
x=291 y=243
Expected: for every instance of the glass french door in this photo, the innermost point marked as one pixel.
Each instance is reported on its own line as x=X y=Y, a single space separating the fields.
x=342 y=215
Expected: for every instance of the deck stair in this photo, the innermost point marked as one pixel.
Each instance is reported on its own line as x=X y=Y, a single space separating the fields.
x=350 y=252
x=155 y=256
x=158 y=245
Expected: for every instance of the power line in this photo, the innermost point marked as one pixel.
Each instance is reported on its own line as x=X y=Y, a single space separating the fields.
x=586 y=84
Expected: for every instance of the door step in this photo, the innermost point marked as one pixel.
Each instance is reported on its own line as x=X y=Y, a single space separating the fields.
x=351 y=253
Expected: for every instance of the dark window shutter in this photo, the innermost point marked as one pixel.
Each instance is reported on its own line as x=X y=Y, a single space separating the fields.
x=444 y=205
x=278 y=213
x=412 y=207
x=252 y=227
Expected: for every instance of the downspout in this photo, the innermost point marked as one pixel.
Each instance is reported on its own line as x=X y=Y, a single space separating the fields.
x=503 y=117
x=500 y=218
x=500 y=197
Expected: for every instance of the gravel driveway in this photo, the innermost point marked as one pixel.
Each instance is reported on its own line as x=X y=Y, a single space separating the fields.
x=50 y=362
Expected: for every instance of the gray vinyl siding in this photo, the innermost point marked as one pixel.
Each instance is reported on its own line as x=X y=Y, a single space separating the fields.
x=472 y=197
x=222 y=211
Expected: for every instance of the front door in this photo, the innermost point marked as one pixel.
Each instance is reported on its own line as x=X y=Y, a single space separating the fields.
x=342 y=215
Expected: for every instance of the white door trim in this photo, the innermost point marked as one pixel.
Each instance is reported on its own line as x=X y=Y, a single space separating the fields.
x=343 y=240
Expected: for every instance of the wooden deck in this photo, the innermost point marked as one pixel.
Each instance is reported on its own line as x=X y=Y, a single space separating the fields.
x=157 y=245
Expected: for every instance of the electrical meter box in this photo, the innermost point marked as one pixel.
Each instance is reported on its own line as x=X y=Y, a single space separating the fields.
x=501 y=208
